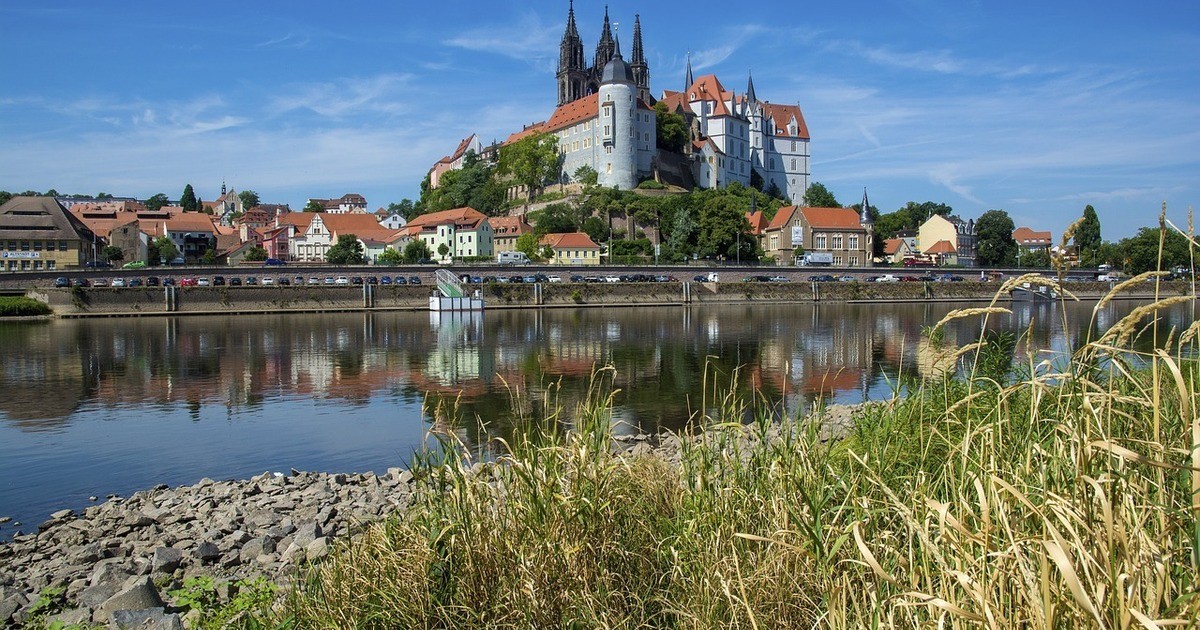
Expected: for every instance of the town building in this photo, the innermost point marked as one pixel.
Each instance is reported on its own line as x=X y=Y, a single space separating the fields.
x=350 y=203
x=836 y=231
x=572 y=248
x=457 y=233
x=38 y=233
x=1031 y=241
x=948 y=240
x=454 y=161
x=506 y=231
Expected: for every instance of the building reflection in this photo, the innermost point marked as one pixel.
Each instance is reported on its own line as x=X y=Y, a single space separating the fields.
x=488 y=372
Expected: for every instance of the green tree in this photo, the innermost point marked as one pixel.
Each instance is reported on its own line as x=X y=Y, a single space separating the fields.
x=671 y=129
x=723 y=230
x=256 y=254
x=112 y=253
x=994 y=244
x=556 y=218
x=443 y=250
x=157 y=201
x=587 y=175
x=314 y=206
x=209 y=257
x=348 y=250
x=188 y=200
x=5 y=196
x=249 y=199
x=406 y=208
x=531 y=161
x=164 y=250
x=416 y=251
x=1087 y=237
x=1140 y=252
x=528 y=243
x=391 y=257
x=818 y=196
x=596 y=229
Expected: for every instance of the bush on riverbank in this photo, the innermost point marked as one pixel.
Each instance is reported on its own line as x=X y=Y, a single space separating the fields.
x=22 y=307
x=1034 y=497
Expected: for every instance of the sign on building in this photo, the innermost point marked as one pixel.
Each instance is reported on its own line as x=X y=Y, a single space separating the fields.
x=797 y=236
x=6 y=254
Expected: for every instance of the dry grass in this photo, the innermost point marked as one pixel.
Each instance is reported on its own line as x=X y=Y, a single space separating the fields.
x=1065 y=499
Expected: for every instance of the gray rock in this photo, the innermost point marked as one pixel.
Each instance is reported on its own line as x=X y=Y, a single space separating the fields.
x=207 y=551
x=139 y=595
x=317 y=548
x=257 y=547
x=8 y=606
x=96 y=594
x=166 y=560
x=73 y=617
x=148 y=618
x=62 y=515
x=306 y=533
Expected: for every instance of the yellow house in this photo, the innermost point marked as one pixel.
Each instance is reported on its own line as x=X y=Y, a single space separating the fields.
x=574 y=248
x=949 y=240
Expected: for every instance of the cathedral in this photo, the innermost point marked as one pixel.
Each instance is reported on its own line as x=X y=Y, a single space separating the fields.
x=605 y=120
x=576 y=79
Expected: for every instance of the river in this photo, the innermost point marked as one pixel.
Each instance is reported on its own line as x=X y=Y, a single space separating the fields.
x=93 y=407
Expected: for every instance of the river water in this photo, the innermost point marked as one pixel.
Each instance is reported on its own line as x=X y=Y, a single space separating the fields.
x=93 y=407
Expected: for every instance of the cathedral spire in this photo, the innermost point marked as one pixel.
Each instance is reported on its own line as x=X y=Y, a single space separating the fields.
x=604 y=48
x=571 y=30
x=641 y=70
x=572 y=70
x=688 y=80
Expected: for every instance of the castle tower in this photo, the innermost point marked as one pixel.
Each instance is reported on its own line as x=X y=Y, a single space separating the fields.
x=604 y=48
x=865 y=217
x=572 y=70
x=617 y=165
x=641 y=71
x=754 y=115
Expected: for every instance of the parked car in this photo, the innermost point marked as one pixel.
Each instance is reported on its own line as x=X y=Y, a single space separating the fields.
x=218 y=281
x=135 y=282
x=401 y=280
x=777 y=279
x=414 y=280
x=341 y=280
x=98 y=264
x=314 y=280
x=887 y=278
x=385 y=280
x=356 y=280
x=134 y=264
x=81 y=282
x=553 y=279
x=251 y=281
x=100 y=282
x=822 y=278
x=273 y=262
x=372 y=280
x=168 y=281
x=284 y=281
x=118 y=282
x=152 y=281
x=190 y=282
x=61 y=282
x=266 y=281
x=332 y=280
x=235 y=281
x=203 y=282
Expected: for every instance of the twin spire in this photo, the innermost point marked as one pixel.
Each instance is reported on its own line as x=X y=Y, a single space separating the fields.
x=576 y=79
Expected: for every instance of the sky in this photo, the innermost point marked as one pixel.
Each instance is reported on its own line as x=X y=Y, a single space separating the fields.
x=1035 y=108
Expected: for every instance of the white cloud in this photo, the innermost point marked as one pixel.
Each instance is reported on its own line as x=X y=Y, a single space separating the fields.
x=347 y=97
x=291 y=40
x=529 y=39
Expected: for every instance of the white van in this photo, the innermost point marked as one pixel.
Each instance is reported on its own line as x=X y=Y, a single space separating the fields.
x=512 y=258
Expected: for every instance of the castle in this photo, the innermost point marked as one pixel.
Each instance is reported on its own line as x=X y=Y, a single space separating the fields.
x=605 y=120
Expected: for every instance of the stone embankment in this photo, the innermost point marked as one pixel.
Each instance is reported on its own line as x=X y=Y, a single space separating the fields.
x=118 y=561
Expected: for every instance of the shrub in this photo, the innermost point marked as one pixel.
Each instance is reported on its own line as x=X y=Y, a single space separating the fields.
x=22 y=307
x=651 y=184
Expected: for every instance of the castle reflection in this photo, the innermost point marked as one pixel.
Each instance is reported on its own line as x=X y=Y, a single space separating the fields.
x=487 y=370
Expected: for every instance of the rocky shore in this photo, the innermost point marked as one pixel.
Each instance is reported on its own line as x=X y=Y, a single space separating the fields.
x=117 y=562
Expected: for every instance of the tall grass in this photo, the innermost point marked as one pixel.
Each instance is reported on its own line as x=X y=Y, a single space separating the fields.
x=1004 y=498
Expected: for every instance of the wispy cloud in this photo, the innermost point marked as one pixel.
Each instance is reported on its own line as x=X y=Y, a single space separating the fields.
x=291 y=40
x=528 y=39
x=380 y=94
x=733 y=38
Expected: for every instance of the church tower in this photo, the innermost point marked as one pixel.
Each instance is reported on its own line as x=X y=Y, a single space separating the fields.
x=641 y=71
x=604 y=48
x=617 y=166
x=572 y=70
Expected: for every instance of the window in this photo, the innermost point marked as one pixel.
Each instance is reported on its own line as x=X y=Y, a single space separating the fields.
x=793 y=145
x=37 y=264
x=837 y=261
x=854 y=261
x=608 y=151
x=774 y=241
x=50 y=264
x=37 y=246
x=819 y=242
x=853 y=242
x=24 y=246
x=772 y=166
x=793 y=164
x=837 y=241
x=607 y=130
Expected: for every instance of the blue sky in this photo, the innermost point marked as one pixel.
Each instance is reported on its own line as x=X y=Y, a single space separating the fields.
x=1036 y=108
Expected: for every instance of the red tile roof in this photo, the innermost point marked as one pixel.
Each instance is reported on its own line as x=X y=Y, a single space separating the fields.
x=1027 y=235
x=782 y=115
x=941 y=247
x=755 y=219
x=576 y=111
x=509 y=226
x=191 y=222
x=467 y=217
x=782 y=217
x=892 y=245
x=570 y=240
x=843 y=218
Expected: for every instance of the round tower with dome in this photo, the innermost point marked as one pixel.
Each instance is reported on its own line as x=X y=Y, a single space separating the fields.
x=617 y=120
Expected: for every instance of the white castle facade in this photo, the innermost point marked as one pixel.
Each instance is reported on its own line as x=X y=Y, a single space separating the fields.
x=605 y=120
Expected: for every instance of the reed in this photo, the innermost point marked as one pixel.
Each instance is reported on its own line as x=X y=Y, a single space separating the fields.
x=1032 y=498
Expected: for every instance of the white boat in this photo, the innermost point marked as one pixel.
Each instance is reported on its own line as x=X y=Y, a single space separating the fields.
x=1028 y=292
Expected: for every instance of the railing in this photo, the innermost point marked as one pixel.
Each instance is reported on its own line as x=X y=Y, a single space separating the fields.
x=449 y=284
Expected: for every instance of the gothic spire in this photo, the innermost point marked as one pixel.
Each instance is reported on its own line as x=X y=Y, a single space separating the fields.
x=641 y=70
x=750 y=90
x=866 y=217
x=571 y=30
x=604 y=48
x=688 y=81
x=639 y=55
